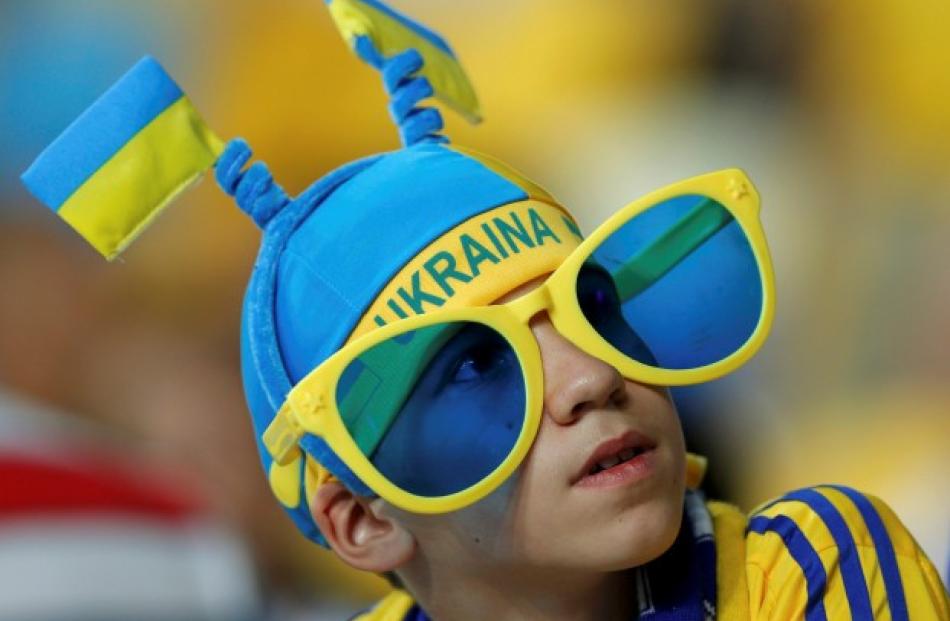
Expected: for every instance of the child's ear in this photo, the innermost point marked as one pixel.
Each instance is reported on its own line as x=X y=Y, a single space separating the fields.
x=357 y=532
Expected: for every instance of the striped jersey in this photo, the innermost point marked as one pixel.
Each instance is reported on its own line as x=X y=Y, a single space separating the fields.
x=821 y=553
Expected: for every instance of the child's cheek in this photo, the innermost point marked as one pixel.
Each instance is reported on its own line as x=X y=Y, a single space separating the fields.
x=485 y=528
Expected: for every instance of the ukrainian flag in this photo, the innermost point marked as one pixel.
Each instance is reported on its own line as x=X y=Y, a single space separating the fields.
x=391 y=33
x=124 y=159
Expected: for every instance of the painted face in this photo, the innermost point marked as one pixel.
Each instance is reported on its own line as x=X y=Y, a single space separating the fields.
x=571 y=505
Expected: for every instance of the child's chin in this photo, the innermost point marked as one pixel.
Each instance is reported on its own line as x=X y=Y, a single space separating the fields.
x=641 y=535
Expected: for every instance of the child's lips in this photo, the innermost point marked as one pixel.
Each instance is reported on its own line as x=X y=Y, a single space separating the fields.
x=627 y=472
x=622 y=458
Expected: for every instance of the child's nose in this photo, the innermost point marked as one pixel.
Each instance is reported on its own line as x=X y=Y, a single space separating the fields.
x=574 y=381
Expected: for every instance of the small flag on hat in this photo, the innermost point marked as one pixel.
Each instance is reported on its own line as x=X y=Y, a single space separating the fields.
x=392 y=33
x=135 y=149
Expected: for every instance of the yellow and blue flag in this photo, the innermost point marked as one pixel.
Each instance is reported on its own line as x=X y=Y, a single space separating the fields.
x=391 y=33
x=112 y=171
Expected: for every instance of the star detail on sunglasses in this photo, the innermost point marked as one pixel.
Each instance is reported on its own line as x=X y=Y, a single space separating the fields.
x=738 y=189
x=305 y=402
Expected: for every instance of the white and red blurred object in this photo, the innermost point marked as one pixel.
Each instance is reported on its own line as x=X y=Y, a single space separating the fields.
x=86 y=534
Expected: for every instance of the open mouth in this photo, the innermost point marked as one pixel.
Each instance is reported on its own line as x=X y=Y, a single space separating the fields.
x=624 y=454
x=618 y=458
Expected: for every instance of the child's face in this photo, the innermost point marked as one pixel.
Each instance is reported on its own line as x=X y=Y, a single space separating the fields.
x=548 y=515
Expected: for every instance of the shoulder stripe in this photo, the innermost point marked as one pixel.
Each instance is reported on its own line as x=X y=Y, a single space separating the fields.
x=885 y=552
x=855 y=586
x=804 y=554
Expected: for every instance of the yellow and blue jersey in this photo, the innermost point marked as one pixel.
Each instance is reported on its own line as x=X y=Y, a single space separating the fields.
x=831 y=552
x=827 y=552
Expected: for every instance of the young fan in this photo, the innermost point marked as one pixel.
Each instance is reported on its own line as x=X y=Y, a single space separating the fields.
x=449 y=385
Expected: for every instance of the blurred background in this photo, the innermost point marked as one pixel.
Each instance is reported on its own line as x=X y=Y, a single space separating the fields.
x=124 y=377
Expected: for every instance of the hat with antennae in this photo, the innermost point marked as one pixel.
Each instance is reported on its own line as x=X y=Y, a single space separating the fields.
x=431 y=225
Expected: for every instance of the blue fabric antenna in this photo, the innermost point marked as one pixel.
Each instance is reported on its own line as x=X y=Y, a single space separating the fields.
x=254 y=189
x=416 y=124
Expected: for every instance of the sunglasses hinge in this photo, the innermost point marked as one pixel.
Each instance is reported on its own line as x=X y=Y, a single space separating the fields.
x=282 y=435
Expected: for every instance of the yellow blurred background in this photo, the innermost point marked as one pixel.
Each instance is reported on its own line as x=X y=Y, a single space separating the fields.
x=838 y=111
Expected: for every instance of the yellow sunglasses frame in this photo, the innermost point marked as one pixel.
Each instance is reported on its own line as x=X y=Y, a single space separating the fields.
x=310 y=406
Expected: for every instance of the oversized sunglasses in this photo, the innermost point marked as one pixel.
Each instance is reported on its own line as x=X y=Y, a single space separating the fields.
x=435 y=411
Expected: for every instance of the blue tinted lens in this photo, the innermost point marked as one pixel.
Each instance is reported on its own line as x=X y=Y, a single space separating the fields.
x=676 y=287
x=436 y=409
x=601 y=306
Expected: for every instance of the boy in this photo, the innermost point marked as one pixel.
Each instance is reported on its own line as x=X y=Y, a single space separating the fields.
x=450 y=387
